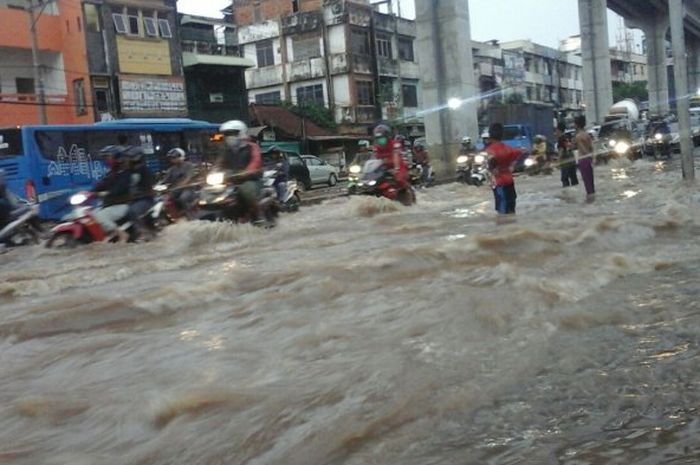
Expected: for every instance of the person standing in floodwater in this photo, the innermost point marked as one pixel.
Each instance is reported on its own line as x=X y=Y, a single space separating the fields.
x=501 y=160
x=586 y=157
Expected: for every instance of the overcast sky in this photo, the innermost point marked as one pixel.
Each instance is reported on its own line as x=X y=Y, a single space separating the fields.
x=544 y=21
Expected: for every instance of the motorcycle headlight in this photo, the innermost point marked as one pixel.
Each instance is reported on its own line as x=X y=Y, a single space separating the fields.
x=372 y=183
x=621 y=148
x=160 y=188
x=78 y=199
x=462 y=159
x=529 y=162
x=479 y=159
x=215 y=179
x=658 y=136
x=355 y=169
x=612 y=143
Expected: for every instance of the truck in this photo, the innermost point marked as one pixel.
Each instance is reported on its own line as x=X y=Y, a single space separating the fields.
x=532 y=119
x=622 y=133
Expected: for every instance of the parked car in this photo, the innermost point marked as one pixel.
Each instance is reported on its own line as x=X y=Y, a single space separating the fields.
x=321 y=172
x=297 y=167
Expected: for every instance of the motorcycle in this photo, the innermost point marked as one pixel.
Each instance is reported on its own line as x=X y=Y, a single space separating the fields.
x=81 y=227
x=166 y=210
x=419 y=177
x=472 y=169
x=24 y=227
x=379 y=182
x=660 y=145
x=219 y=199
x=290 y=200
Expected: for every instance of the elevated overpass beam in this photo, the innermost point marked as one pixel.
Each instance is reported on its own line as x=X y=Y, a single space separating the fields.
x=597 y=76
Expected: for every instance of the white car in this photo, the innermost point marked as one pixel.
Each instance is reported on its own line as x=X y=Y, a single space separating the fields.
x=320 y=171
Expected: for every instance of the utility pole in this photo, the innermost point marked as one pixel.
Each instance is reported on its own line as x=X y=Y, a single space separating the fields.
x=680 y=71
x=38 y=74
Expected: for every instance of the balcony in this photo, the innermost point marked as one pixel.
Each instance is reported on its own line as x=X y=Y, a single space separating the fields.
x=300 y=23
x=307 y=69
x=210 y=53
x=264 y=77
x=14 y=30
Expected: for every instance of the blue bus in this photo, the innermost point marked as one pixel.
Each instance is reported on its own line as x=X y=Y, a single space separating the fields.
x=50 y=163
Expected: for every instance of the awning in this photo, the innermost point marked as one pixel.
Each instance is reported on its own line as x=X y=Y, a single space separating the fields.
x=255 y=131
x=338 y=138
x=193 y=59
x=192 y=19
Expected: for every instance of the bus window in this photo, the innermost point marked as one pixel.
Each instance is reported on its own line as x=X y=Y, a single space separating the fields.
x=199 y=146
x=11 y=143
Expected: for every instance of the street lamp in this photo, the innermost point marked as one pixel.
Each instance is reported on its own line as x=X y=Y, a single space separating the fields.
x=454 y=103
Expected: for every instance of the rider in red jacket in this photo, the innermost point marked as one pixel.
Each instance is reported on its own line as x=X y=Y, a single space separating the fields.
x=501 y=160
x=387 y=150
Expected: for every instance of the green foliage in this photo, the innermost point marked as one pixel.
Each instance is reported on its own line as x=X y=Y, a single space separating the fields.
x=515 y=98
x=636 y=90
x=319 y=114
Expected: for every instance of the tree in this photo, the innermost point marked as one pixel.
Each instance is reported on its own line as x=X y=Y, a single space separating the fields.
x=515 y=98
x=318 y=114
x=638 y=91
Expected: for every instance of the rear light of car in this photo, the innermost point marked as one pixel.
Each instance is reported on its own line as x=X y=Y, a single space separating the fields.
x=30 y=191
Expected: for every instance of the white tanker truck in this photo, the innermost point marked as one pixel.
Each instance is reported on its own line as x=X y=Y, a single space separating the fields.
x=621 y=134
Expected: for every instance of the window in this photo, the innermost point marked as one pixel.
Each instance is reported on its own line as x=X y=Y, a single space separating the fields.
x=266 y=56
x=359 y=42
x=79 y=97
x=119 y=23
x=269 y=98
x=384 y=46
x=295 y=6
x=529 y=93
x=406 y=49
x=11 y=143
x=165 y=31
x=133 y=25
x=310 y=94
x=151 y=28
x=306 y=48
x=257 y=12
x=365 y=93
x=410 y=96
x=25 y=85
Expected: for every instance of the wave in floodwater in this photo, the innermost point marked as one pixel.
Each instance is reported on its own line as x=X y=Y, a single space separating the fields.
x=360 y=332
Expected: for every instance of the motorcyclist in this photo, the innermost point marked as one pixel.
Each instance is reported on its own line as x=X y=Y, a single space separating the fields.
x=486 y=139
x=8 y=202
x=280 y=164
x=140 y=189
x=387 y=150
x=467 y=147
x=114 y=188
x=420 y=157
x=178 y=177
x=243 y=158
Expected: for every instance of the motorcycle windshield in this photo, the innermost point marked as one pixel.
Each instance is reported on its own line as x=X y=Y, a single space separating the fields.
x=372 y=166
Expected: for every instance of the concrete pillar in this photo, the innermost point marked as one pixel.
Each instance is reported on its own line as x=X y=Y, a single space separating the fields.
x=447 y=72
x=595 y=51
x=693 y=47
x=656 y=30
x=680 y=71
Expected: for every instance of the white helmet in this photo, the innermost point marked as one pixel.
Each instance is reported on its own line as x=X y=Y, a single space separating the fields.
x=466 y=140
x=234 y=126
x=485 y=135
x=177 y=153
x=235 y=133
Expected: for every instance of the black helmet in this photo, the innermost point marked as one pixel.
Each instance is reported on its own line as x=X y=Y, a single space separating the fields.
x=418 y=145
x=134 y=154
x=116 y=152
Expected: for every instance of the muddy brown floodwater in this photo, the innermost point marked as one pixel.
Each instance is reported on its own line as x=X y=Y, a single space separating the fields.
x=360 y=332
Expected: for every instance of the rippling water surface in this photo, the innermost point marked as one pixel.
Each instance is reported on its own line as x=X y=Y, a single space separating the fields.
x=361 y=332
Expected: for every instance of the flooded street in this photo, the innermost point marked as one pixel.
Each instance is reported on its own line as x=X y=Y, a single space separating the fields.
x=361 y=332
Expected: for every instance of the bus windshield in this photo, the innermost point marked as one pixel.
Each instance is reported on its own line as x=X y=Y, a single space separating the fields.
x=11 y=142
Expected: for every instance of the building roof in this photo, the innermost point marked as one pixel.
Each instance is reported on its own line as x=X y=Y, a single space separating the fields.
x=285 y=120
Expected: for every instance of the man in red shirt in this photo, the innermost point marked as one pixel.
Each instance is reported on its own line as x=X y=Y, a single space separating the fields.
x=386 y=149
x=501 y=160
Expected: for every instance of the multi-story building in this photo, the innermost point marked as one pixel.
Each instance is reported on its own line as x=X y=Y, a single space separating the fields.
x=62 y=68
x=626 y=65
x=340 y=54
x=214 y=69
x=542 y=74
x=134 y=58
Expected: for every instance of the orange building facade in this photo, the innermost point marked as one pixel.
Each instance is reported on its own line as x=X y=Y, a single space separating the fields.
x=62 y=59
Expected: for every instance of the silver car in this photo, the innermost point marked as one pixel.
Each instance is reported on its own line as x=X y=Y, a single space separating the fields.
x=320 y=171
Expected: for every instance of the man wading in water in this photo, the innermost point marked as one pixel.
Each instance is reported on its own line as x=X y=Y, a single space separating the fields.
x=584 y=144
